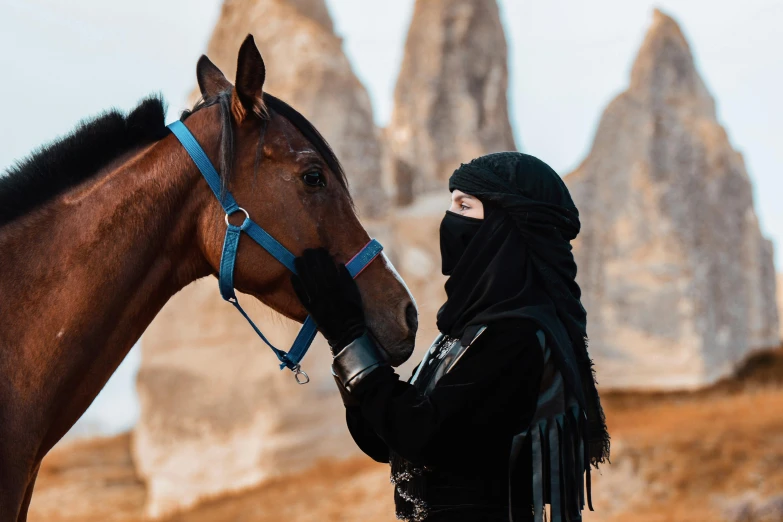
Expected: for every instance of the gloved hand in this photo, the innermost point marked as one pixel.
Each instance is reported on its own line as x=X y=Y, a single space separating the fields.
x=331 y=297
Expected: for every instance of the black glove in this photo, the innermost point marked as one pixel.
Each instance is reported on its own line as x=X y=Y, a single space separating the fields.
x=331 y=296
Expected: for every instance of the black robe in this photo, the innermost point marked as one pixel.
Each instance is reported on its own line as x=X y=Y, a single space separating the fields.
x=463 y=430
x=514 y=425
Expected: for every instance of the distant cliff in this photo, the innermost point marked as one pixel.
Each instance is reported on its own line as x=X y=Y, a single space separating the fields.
x=450 y=100
x=780 y=304
x=677 y=280
x=450 y=106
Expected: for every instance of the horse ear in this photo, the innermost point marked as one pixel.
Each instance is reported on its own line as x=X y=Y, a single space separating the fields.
x=251 y=73
x=210 y=80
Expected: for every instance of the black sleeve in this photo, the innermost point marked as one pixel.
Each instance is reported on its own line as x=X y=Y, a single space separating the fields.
x=492 y=390
x=364 y=435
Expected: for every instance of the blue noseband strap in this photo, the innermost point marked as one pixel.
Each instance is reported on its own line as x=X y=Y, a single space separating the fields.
x=355 y=266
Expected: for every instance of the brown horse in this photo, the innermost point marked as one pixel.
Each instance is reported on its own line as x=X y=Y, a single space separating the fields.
x=100 y=229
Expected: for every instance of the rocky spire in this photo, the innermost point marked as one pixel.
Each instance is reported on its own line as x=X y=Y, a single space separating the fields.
x=210 y=391
x=450 y=101
x=315 y=10
x=677 y=280
x=308 y=69
x=663 y=74
x=780 y=302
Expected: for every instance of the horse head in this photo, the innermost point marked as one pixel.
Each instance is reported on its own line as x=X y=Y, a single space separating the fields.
x=285 y=176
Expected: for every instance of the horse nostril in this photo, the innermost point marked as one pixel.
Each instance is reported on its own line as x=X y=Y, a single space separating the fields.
x=411 y=317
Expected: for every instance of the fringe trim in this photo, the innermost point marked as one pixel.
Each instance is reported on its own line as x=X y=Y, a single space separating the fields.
x=561 y=467
x=599 y=440
x=409 y=489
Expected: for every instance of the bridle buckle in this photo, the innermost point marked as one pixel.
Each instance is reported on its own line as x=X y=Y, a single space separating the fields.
x=297 y=372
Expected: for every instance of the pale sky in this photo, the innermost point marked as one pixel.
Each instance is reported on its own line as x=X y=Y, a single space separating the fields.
x=63 y=61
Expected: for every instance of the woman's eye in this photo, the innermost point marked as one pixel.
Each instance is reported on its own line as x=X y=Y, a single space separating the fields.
x=314 y=179
x=464 y=207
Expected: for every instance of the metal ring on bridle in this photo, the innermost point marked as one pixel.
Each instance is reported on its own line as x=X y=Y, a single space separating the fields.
x=297 y=372
x=239 y=209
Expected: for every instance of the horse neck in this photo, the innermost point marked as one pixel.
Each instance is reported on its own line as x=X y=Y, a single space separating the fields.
x=85 y=275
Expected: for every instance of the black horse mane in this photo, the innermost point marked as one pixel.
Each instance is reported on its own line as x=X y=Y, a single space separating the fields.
x=94 y=143
x=68 y=161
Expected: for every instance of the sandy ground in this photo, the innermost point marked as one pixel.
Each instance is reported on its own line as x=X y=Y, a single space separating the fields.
x=93 y=481
x=710 y=455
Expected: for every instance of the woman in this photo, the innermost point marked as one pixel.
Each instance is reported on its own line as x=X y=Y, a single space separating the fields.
x=502 y=415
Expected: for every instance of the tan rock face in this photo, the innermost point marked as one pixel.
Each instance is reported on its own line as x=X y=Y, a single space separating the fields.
x=677 y=280
x=217 y=414
x=314 y=9
x=450 y=100
x=780 y=303
x=307 y=68
x=417 y=256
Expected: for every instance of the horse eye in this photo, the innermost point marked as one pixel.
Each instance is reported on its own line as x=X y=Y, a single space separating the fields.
x=314 y=179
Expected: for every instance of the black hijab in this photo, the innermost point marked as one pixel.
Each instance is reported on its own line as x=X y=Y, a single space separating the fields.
x=519 y=264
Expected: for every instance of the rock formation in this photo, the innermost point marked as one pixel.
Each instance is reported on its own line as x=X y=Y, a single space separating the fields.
x=450 y=99
x=677 y=280
x=217 y=414
x=315 y=10
x=780 y=303
x=307 y=68
x=449 y=107
x=415 y=235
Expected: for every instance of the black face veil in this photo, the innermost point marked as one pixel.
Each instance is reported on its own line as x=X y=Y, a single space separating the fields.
x=520 y=264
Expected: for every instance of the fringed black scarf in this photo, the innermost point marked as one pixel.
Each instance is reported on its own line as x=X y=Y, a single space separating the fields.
x=534 y=201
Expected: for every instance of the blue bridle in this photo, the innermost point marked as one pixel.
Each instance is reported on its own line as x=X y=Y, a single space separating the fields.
x=304 y=339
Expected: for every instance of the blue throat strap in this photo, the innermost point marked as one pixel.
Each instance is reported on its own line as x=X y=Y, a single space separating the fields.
x=304 y=339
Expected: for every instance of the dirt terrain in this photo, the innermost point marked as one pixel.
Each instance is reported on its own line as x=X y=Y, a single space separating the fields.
x=715 y=454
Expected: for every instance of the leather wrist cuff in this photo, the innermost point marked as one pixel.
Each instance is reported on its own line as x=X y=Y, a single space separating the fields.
x=346 y=338
x=356 y=361
x=349 y=401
